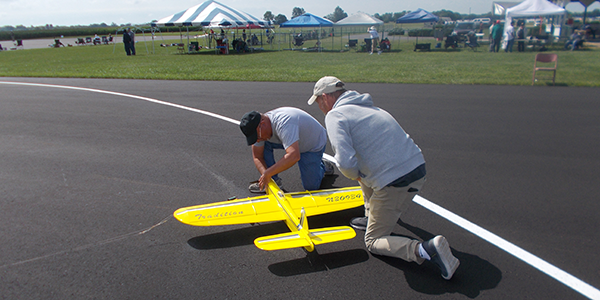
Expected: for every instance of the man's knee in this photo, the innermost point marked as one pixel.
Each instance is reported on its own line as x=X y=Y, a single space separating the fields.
x=370 y=244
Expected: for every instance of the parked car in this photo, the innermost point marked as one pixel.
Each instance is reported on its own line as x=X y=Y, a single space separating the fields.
x=462 y=28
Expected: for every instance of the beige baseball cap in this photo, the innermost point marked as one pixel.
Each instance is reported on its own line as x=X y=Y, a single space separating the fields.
x=325 y=85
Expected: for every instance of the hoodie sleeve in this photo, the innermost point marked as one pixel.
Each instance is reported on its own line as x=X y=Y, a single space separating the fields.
x=338 y=131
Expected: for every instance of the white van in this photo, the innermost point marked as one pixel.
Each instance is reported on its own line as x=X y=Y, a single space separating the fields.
x=446 y=20
x=485 y=21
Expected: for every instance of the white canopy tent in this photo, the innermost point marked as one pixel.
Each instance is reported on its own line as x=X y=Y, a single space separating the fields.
x=499 y=8
x=357 y=19
x=532 y=8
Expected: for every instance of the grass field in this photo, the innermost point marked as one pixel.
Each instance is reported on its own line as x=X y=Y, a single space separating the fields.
x=402 y=65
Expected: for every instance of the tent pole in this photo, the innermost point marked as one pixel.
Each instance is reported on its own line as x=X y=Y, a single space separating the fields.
x=341 y=39
x=115 y=41
x=332 y=37
x=145 y=43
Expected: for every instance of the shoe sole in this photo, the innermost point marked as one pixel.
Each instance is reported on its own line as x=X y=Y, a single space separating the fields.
x=450 y=262
x=358 y=227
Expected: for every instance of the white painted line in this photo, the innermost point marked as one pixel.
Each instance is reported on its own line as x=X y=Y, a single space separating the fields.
x=538 y=263
x=126 y=95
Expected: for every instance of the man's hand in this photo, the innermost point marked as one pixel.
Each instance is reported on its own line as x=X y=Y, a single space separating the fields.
x=291 y=157
x=263 y=181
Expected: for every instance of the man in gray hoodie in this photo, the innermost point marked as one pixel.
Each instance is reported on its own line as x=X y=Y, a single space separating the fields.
x=372 y=148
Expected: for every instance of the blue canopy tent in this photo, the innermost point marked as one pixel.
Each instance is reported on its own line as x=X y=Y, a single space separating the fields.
x=418 y=16
x=308 y=20
x=585 y=4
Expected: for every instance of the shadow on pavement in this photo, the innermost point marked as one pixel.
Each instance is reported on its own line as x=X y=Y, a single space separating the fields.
x=472 y=276
x=315 y=262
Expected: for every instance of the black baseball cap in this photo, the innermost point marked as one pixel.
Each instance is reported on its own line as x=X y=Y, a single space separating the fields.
x=248 y=126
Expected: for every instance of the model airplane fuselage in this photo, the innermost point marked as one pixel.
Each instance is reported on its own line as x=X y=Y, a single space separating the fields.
x=292 y=208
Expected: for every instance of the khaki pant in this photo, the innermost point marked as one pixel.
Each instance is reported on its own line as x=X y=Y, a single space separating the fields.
x=374 y=44
x=384 y=208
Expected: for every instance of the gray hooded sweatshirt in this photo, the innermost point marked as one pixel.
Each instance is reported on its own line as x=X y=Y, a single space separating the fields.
x=369 y=143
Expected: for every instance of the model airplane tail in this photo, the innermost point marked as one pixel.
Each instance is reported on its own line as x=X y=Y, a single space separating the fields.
x=292 y=208
x=305 y=239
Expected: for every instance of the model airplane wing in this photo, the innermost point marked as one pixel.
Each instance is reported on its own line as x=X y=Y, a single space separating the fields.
x=262 y=209
x=293 y=208
x=241 y=211
x=326 y=201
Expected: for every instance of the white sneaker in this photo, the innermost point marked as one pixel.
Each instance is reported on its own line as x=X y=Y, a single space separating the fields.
x=441 y=255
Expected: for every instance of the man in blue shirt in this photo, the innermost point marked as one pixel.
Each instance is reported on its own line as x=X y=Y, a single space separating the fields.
x=295 y=131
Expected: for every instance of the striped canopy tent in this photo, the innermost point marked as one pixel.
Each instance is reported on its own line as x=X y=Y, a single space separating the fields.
x=210 y=14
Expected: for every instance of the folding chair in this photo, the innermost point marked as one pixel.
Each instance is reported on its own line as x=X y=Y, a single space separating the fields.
x=19 y=43
x=298 y=41
x=546 y=59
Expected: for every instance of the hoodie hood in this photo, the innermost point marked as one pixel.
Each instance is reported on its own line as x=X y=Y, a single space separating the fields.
x=368 y=142
x=355 y=98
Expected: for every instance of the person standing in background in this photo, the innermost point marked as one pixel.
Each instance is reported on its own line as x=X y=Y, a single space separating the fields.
x=127 y=41
x=374 y=39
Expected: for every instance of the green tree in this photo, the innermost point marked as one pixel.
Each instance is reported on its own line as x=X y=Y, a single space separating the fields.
x=268 y=16
x=337 y=15
x=297 y=11
x=390 y=17
x=280 y=19
x=448 y=13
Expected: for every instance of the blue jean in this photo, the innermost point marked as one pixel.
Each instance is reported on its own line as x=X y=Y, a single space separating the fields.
x=509 y=45
x=311 y=166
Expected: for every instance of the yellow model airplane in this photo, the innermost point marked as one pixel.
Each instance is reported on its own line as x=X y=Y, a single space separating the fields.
x=293 y=208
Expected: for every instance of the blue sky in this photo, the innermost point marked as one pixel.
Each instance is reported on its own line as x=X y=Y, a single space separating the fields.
x=75 y=12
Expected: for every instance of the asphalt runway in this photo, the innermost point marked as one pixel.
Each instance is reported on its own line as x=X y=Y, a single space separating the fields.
x=90 y=181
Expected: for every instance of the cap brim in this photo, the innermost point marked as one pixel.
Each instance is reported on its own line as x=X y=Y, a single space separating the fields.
x=251 y=139
x=312 y=100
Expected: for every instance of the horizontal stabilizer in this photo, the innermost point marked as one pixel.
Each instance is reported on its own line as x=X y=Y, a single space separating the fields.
x=331 y=234
x=301 y=239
